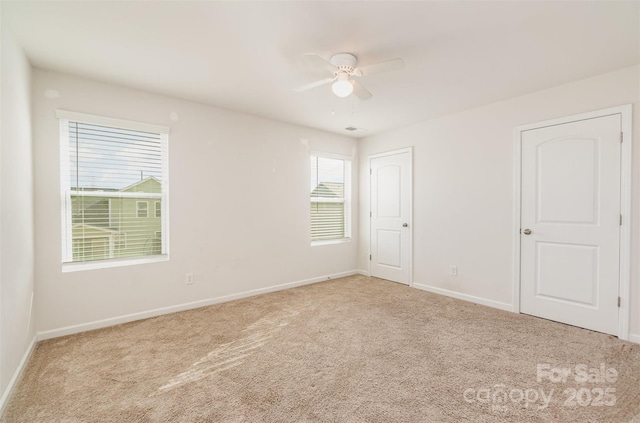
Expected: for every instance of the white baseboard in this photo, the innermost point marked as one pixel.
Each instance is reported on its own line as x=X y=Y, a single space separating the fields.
x=363 y=272
x=98 y=324
x=633 y=337
x=17 y=374
x=465 y=297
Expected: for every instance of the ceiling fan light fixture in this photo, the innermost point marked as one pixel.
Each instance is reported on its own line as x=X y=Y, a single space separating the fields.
x=342 y=87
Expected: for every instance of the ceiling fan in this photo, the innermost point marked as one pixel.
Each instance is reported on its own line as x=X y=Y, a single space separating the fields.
x=343 y=68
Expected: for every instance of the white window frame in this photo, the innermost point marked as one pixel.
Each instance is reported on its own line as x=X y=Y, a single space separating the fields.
x=347 y=200
x=65 y=116
x=138 y=209
x=156 y=210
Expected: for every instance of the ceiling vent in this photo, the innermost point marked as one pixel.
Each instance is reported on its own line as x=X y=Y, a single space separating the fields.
x=354 y=129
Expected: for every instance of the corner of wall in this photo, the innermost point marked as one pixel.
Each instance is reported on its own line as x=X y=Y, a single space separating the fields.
x=17 y=374
x=17 y=282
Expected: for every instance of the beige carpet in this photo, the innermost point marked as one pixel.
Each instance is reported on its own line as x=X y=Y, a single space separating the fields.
x=356 y=349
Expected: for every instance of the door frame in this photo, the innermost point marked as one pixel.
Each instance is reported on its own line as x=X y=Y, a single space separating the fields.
x=393 y=153
x=624 y=284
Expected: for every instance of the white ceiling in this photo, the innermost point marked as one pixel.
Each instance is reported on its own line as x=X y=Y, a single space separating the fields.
x=246 y=56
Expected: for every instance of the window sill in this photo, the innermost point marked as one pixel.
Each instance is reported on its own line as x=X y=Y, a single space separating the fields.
x=105 y=264
x=330 y=242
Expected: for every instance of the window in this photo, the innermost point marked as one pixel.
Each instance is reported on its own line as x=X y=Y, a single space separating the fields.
x=142 y=209
x=110 y=171
x=330 y=198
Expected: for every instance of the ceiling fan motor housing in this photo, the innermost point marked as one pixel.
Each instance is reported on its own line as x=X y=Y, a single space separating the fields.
x=346 y=62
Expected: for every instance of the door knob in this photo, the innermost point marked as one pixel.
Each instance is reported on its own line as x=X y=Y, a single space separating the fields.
x=404 y=225
x=527 y=232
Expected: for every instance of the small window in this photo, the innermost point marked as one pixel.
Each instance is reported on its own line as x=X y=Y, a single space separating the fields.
x=330 y=198
x=142 y=208
x=158 y=207
x=111 y=170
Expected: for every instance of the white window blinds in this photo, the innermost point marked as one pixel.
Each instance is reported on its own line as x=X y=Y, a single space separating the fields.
x=330 y=198
x=112 y=176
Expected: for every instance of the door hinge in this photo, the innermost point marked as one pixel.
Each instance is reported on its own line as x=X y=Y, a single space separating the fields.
x=620 y=220
x=370 y=214
x=619 y=300
x=621 y=136
x=369 y=257
x=370 y=171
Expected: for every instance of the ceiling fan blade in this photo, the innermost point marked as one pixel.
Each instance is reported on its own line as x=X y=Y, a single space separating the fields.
x=314 y=85
x=319 y=61
x=361 y=92
x=374 y=68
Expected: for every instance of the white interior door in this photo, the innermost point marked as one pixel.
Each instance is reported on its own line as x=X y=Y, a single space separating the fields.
x=570 y=219
x=390 y=216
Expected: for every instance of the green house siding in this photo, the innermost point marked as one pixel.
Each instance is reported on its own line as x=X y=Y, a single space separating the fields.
x=109 y=227
x=92 y=211
x=327 y=217
x=140 y=232
x=327 y=221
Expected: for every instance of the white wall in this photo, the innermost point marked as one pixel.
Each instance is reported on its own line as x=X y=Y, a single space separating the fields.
x=17 y=328
x=239 y=206
x=463 y=186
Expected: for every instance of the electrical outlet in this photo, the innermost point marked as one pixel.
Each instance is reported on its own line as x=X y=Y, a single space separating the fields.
x=189 y=278
x=453 y=270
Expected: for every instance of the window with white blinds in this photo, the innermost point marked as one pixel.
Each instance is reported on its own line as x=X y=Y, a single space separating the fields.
x=330 y=198
x=114 y=185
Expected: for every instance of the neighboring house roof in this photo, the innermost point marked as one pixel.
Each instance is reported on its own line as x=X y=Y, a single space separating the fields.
x=329 y=190
x=149 y=184
x=94 y=189
x=86 y=227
